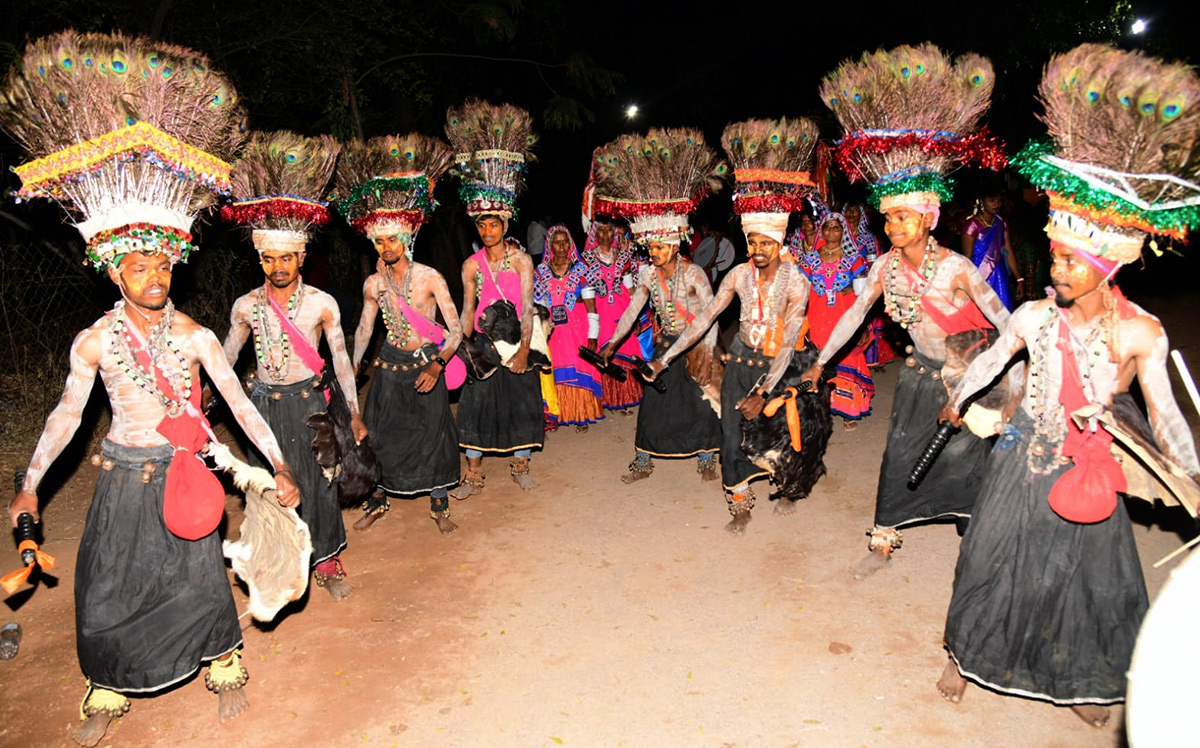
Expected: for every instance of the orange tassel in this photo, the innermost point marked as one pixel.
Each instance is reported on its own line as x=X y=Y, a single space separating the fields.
x=788 y=398
x=11 y=582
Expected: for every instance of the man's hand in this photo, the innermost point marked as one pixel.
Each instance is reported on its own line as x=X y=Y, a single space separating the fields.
x=813 y=375
x=428 y=378
x=25 y=502
x=286 y=492
x=206 y=396
x=592 y=343
x=751 y=406
x=656 y=368
x=704 y=375
x=950 y=413
x=606 y=352
x=519 y=363
x=359 y=428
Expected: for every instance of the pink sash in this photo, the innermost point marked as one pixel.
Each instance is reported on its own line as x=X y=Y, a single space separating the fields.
x=304 y=349
x=494 y=289
x=456 y=371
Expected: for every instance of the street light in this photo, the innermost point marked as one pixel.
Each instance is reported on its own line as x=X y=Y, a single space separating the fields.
x=1138 y=26
x=631 y=111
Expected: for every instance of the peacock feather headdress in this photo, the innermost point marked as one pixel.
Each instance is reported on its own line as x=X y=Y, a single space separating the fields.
x=1124 y=155
x=385 y=185
x=772 y=161
x=492 y=146
x=910 y=115
x=655 y=181
x=129 y=134
x=279 y=185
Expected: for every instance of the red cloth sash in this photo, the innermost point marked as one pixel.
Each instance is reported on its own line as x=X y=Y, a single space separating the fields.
x=193 y=500
x=967 y=317
x=1088 y=491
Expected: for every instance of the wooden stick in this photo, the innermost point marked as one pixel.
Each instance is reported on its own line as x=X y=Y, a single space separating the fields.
x=1186 y=376
x=1177 y=551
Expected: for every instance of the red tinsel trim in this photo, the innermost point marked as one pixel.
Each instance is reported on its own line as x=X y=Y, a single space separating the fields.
x=981 y=149
x=768 y=204
x=626 y=209
x=413 y=217
x=257 y=212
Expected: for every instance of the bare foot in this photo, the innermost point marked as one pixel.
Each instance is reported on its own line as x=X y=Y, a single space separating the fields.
x=875 y=561
x=633 y=476
x=231 y=703
x=369 y=518
x=849 y=425
x=465 y=490
x=1094 y=714
x=627 y=412
x=525 y=482
x=708 y=473
x=445 y=525
x=737 y=525
x=581 y=428
x=951 y=685
x=338 y=589
x=93 y=729
x=785 y=507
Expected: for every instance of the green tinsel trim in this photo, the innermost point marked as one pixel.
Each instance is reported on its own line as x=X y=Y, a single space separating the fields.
x=419 y=185
x=1050 y=178
x=469 y=192
x=926 y=182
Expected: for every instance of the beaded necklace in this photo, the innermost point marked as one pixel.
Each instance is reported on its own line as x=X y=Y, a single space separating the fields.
x=663 y=298
x=159 y=344
x=1049 y=416
x=399 y=331
x=274 y=353
x=505 y=265
x=917 y=287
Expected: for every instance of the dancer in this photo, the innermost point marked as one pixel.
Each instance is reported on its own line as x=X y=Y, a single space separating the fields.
x=152 y=598
x=680 y=420
x=833 y=268
x=930 y=290
x=503 y=413
x=771 y=160
x=279 y=183
x=561 y=286
x=386 y=188
x=985 y=240
x=1048 y=590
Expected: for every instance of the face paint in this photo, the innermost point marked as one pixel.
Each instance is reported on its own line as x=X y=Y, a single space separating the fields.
x=1071 y=275
x=906 y=227
x=393 y=246
x=763 y=250
x=661 y=253
x=281 y=268
x=144 y=279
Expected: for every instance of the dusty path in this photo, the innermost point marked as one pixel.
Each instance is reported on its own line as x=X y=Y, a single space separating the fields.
x=586 y=613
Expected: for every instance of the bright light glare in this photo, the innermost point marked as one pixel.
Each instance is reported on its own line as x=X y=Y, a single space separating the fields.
x=631 y=111
x=1138 y=26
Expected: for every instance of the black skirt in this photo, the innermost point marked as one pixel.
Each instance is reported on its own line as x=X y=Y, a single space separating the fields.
x=739 y=379
x=677 y=422
x=502 y=413
x=1043 y=607
x=950 y=487
x=150 y=607
x=413 y=433
x=287 y=416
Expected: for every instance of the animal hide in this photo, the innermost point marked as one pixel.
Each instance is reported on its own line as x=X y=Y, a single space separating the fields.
x=711 y=392
x=767 y=442
x=353 y=466
x=499 y=336
x=986 y=411
x=274 y=547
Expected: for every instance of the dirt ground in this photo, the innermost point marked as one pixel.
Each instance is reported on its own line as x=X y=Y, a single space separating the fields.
x=589 y=613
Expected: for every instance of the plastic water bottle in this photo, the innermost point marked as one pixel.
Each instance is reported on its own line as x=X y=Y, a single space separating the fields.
x=10 y=641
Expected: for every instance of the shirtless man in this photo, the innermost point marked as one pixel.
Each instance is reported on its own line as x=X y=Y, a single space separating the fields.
x=774 y=296
x=932 y=292
x=148 y=619
x=677 y=422
x=408 y=405
x=285 y=389
x=1023 y=570
x=503 y=413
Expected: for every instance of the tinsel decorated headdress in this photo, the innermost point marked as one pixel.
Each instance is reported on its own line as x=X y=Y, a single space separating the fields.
x=385 y=185
x=130 y=134
x=910 y=115
x=279 y=186
x=772 y=161
x=1124 y=160
x=655 y=181
x=492 y=147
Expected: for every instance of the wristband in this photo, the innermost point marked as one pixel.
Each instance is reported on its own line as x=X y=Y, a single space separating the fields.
x=593 y=325
x=440 y=360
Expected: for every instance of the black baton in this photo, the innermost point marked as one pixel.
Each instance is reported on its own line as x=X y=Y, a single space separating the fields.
x=936 y=444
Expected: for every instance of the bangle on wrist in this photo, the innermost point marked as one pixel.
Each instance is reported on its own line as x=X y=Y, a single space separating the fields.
x=441 y=361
